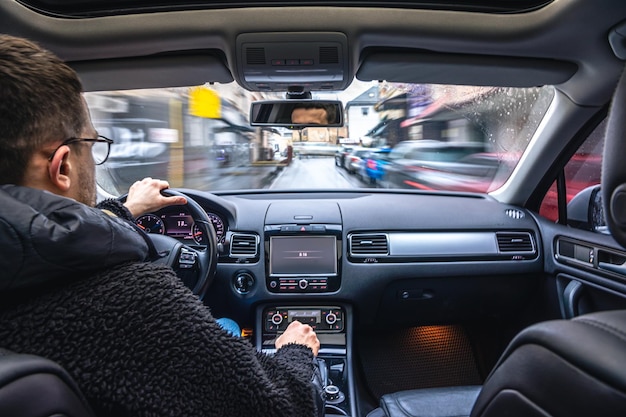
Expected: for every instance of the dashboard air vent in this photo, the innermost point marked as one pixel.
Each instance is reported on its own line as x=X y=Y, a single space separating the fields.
x=369 y=244
x=515 y=242
x=244 y=245
x=514 y=213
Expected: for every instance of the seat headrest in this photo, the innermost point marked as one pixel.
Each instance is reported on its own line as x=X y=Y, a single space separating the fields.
x=614 y=166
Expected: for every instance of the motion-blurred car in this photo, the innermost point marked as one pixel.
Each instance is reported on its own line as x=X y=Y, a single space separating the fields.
x=340 y=155
x=412 y=164
x=374 y=166
x=354 y=160
x=479 y=172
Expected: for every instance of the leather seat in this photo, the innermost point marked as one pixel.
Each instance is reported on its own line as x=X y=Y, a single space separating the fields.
x=32 y=386
x=558 y=368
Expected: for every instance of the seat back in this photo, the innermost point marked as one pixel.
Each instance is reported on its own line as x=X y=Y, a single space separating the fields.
x=32 y=386
x=613 y=167
x=561 y=368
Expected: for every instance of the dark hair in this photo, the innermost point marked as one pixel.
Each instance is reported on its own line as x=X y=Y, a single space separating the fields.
x=40 y=103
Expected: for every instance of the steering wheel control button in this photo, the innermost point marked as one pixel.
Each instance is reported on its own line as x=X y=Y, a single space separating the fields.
x=187 y=258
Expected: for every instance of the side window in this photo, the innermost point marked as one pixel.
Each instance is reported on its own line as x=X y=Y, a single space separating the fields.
x=581 y=171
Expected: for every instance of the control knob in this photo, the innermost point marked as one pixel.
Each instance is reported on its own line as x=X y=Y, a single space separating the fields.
x=333 y=394
x=277 y=319
x=244 y=281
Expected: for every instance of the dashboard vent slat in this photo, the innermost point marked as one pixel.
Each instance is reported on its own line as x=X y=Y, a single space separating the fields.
x=244 y=245
x=515 y=213
x=369 y=244
x=515 y=242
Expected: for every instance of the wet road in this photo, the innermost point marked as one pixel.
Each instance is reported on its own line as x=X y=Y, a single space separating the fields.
x=306 y=173
x=315 y=173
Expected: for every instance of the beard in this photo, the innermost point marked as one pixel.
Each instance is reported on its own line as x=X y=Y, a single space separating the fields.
x=86 y=186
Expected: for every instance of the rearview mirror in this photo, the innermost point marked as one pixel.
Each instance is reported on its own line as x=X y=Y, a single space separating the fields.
x=297 y=114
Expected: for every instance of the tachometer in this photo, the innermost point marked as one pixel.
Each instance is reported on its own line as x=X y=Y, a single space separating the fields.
x=150 y=224
x=218 y=225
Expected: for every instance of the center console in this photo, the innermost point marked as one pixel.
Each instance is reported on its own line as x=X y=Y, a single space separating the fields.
x=303 y=253
x=332 y=324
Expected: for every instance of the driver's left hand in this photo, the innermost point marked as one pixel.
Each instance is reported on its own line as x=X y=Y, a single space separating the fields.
x=145 y=196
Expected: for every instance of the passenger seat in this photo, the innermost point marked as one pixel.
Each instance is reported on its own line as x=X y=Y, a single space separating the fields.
x=558 y=368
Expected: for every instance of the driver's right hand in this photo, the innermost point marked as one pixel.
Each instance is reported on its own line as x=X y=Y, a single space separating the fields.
x=145 y=196
x=299 y=333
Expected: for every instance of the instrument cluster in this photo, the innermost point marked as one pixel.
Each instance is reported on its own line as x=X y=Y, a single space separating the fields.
x=179 y=224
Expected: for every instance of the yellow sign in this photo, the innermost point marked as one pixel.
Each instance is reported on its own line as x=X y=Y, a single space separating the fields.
x=204 y=103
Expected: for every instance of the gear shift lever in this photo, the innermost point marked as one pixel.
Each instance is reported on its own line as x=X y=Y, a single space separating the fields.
x=320 y=381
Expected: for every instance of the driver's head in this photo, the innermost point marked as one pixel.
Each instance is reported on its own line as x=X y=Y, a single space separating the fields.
x=313 y=113
x=41 y=106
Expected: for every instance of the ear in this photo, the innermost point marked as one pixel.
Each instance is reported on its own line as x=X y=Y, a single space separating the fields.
x=59 y=169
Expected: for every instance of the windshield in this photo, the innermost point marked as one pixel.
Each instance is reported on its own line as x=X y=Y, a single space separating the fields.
x=409 y=136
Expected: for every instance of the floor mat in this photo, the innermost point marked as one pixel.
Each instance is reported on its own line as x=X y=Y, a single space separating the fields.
x=420 y=357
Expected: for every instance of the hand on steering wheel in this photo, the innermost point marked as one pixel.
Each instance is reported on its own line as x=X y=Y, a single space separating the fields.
x=195 y=266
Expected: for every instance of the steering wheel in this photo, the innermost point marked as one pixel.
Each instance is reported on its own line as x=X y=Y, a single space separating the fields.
x=194 y=266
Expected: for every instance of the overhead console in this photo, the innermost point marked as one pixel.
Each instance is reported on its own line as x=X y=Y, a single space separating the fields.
x=303 y=247
x=279 y=61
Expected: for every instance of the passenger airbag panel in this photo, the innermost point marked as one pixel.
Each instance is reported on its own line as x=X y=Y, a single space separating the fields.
x=411 y=244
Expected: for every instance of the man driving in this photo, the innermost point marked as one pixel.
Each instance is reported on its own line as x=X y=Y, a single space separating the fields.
x=77 y=286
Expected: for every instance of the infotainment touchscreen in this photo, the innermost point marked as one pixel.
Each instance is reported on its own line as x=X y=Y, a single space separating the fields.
x=303 y=256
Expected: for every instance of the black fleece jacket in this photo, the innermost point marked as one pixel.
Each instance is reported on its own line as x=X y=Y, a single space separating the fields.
x=74 y=288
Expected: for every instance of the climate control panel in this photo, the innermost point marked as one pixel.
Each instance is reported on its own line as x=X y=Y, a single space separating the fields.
x=327 y=319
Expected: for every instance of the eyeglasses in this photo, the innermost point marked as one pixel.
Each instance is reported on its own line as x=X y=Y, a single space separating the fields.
x=100 y=149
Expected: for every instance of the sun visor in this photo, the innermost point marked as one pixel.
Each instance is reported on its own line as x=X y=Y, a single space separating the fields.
x=155 y=71
x=280 y=61
x=412 y=66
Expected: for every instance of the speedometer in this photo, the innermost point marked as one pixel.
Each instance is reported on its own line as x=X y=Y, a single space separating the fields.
x=218 y=225
x=150 y=224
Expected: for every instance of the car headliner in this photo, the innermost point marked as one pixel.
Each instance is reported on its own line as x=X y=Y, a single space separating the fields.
x=108 y=7
x=456 y=46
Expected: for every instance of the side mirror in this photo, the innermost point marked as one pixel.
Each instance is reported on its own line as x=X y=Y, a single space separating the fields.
x=297 y=114
x=585 y=211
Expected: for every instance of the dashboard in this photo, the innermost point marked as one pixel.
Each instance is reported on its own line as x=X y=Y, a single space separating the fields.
x=396 y=257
